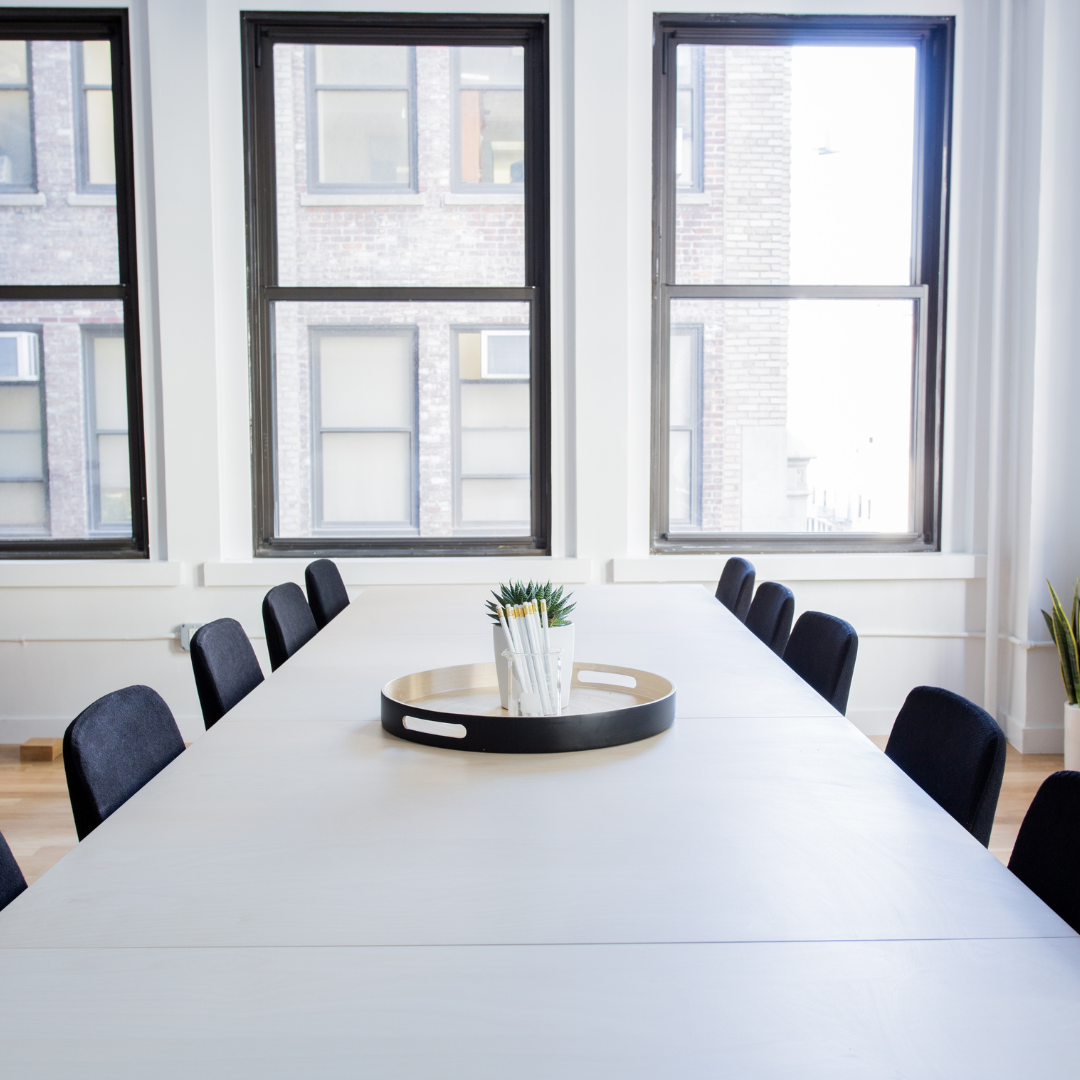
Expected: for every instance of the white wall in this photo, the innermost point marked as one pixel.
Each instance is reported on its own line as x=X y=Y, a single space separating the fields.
x=72 y=631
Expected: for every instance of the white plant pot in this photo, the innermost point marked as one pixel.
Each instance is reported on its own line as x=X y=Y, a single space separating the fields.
x=1072 y=736
x=562 y=638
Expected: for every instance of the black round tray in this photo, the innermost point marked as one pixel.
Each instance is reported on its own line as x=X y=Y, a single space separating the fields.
x=458 y=708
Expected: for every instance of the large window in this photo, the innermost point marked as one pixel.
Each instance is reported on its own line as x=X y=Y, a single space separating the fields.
x=801 y=184
x=72 y=476
x=397 y=187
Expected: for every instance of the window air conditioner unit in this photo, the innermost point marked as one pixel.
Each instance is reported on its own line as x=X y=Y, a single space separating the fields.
x=504 y=354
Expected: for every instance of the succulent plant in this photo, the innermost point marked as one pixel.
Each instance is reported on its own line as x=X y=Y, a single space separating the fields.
x=517 y=592
x=1065 y=630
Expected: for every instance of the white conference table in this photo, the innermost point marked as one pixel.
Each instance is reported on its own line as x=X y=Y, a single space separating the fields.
x=756 y=892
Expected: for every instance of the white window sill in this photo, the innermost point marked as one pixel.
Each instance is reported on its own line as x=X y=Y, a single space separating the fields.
x=264 y=573
x=76 y=198
x=816 y=566
x=410 y=199
x=454 y=199
x=35 y=198
x=89 y=574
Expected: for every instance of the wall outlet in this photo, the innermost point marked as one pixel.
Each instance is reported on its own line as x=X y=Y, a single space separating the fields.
x=186 y=630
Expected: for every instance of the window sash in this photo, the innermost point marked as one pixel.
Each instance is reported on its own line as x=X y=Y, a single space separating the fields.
x=28 y=88
x=80 y=87
x=933 y=39
x=260 y=33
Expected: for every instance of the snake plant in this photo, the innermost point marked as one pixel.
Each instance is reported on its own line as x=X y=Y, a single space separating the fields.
x=517 y=592
x=1066 y=632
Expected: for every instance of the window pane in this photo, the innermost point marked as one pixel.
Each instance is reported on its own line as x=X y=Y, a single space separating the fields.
x=13 y=63
x=72 y=145
x=366 y=478
x=808 y=176
x=22 y=508
x=682 y=393
x=362 y=199
x=492 y=66
x=110 y=383
x=114 y=478
x=76 y=371
x=361 y=65
x=101 y=157
x=679 y=496
x=807 y=415
x=97 y=63
x=495 y=452
x=371 y=365
x=492 y=136
x=367 y=379
x=495 y=501
x=16 y=153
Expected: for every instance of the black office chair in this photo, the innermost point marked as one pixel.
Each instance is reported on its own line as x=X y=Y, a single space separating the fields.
x=955 y=752
x=225 y=667
x=736 y=586
x=1046 y=855
x=822 y=651
x=770 y=615
x=12 y=881
x=113 y=748
x=288 y=621
x=325 y=591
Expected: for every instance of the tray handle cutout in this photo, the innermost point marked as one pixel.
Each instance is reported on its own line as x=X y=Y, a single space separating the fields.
x=434 y=727
x=613 y=678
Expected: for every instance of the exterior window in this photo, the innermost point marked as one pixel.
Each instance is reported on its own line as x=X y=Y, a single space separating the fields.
x=802 y=189
x=490 y=102
x=492 y=486
x=24 y=493
x=16 y=118
x=92 y=66
x=400 y=356
x=365 y=452
x=71 y=441
x=361 y=117
x=107 y=430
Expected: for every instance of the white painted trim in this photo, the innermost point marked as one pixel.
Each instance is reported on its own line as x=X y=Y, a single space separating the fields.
x=263 y=573
x=36 y=198
x=89 y=574
x=805 y=567
x=388 y=199
x=453 y=199
x=1034 y=740
x=76 y=198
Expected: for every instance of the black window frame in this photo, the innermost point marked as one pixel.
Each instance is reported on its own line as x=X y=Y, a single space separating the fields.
x=316 y=334
x=32 y=187
x=112 y=24
x=316 y=186
x=36 y=330
x=260 y=31
x=79 y=86
x=933 y=37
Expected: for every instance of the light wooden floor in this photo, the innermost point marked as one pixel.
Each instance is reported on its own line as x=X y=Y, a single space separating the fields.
x=35 y=815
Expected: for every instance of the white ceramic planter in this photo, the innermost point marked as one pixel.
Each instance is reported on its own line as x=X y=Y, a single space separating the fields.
x=562 y=638
x=1072 y=736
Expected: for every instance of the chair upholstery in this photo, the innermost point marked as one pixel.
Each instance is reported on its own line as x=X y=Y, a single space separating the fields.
x=325 y=591
x=1046 y=856
x=288 y=621
x=770 y=615
x=736 y=586
x=12 y=881
x=954 y=751
x=225 y=667
x=822 y=651
x=113 y=748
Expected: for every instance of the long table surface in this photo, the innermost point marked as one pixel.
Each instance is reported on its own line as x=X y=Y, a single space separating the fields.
x=758 y=891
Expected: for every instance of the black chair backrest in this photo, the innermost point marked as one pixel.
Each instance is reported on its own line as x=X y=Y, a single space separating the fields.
x=770 y=615
x=822 y=650
x=226 y=669
x=288 y=621
x=954 y=751
x=1046 y=855
x=12 y=881
x=113 y=748
x=325 y=591
x=736 y=586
